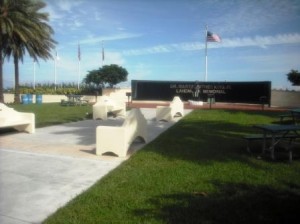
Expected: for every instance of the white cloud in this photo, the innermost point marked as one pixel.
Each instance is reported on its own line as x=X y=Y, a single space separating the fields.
x=67 y=5
x=93 y=40
x=97 y=16
x=258 y=41
x=63 y=14
x=113 y=58
x=237 y=17
x=77 y=23
x=139 y=71
x=275 y=62
x=54 y=15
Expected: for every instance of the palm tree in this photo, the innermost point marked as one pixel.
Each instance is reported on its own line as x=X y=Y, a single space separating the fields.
x=26 y=30
x=1 y=75
x=6 y=13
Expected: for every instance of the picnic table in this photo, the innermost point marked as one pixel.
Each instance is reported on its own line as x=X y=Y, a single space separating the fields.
x=277 y=133
x=74 y=100
x=293 y=115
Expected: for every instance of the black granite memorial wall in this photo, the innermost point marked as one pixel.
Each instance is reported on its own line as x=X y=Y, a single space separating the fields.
x=229 y=92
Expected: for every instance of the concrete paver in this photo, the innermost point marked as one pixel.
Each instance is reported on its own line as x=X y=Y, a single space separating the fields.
x=34 y=185
x=41 y=172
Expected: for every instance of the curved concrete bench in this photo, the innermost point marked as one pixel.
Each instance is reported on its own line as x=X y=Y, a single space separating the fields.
x=106 y=105
x=118 y=139
x=168 y=113
x=18 y=120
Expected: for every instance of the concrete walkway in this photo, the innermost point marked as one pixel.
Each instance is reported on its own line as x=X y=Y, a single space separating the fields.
x=41 y=172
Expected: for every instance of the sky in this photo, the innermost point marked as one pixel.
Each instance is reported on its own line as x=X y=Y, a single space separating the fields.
x=165 y=40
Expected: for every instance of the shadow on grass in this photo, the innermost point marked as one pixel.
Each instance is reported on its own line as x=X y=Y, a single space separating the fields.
x=198 y=171
x=211 y=138
x=234 y=203
x=201 y=141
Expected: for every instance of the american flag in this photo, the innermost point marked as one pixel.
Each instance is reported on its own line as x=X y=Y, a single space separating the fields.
x=211 y=37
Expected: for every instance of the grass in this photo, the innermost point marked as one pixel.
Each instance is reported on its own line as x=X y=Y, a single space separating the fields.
x=54 y=113
x=198 y=171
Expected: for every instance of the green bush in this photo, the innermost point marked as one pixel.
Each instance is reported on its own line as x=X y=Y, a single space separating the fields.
x=50 y=89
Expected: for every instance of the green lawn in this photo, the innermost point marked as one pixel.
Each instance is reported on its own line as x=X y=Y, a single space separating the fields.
x=198 y=171
x=53 y=113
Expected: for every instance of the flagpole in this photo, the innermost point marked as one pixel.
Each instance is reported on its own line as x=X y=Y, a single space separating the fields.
x=102 y=54
x=79 y=58
x=206 y=54
x=55 y=59
x=78 y=74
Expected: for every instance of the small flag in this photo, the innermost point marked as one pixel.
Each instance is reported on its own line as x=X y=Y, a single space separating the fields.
x=79 y=53
x=211 y=37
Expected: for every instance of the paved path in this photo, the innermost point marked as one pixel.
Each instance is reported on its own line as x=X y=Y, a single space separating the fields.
x=41 y=172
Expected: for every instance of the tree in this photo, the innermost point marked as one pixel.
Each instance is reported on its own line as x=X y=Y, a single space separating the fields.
x=94 y=79
x=294 y=77
x=24 y=29
x=113 y=74
x=107 y=75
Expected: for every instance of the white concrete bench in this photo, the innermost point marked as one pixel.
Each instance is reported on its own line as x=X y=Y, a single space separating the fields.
x=106 y=105
x=18 y=120
x=118 y=139
x=168 y=113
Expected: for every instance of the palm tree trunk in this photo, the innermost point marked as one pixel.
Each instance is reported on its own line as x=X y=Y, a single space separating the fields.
x=1 y=78
x=17 y=90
